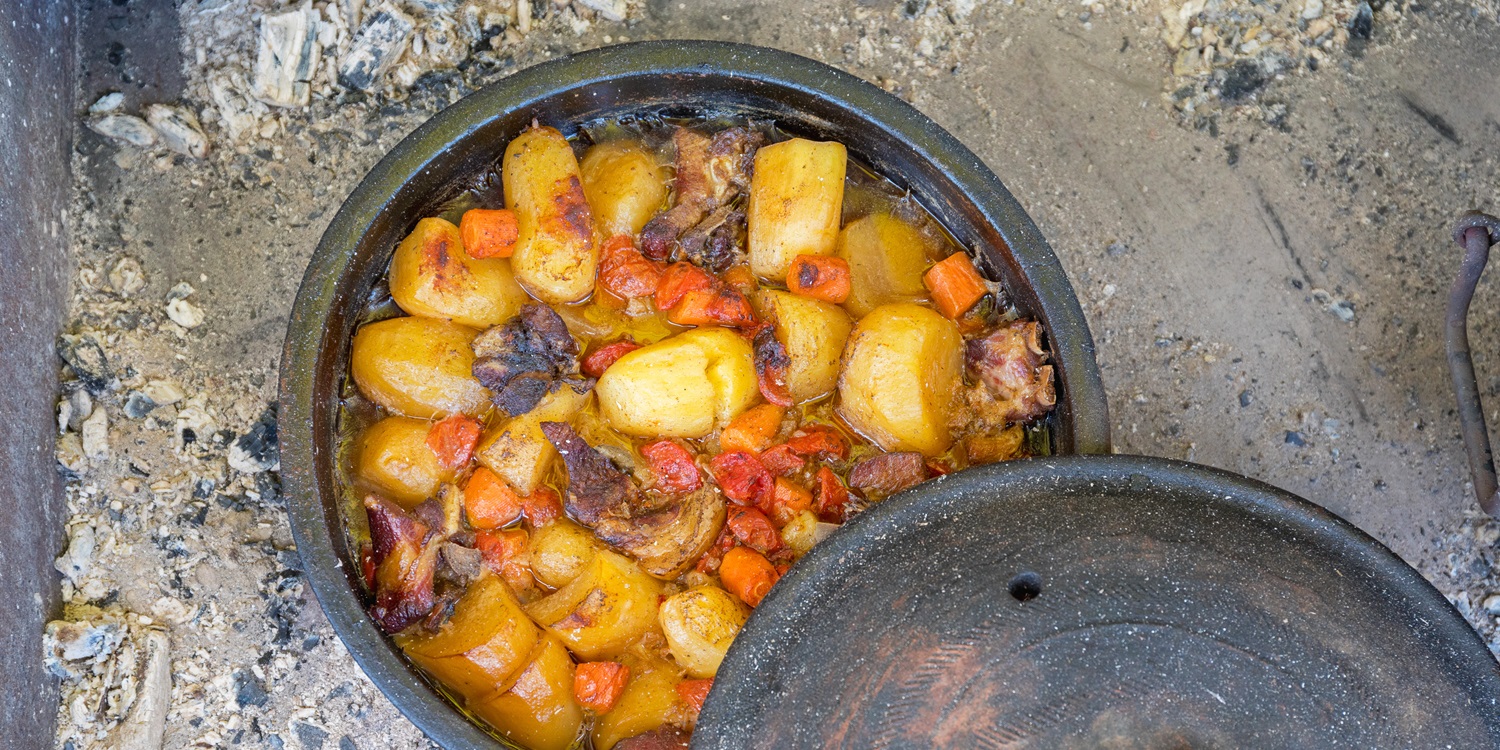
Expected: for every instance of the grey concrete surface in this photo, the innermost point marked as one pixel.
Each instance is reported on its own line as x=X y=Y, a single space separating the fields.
x=36 y=126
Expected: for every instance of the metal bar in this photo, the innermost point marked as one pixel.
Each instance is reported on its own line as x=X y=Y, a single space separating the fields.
x=1474 y=233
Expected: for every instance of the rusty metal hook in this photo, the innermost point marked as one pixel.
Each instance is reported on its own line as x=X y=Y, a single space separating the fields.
x=1474 y=232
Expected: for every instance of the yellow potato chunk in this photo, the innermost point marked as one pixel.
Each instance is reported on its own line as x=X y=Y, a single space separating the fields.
x=625 y=184
x=538 y=710
x=393 y=455
x=680 y=387
x=887 y=258
x=482 y=646
x=420 y=367
x=814 y=333
x=518 y=451
x=648 y=702
x=557 y=248
x=902 y=372
x=700 y=623
x=560 y=551
x=607 y=607
x=432 y=276
x=796 y=201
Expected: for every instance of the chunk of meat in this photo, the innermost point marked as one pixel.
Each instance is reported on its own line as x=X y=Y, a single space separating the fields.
x=522 y=359
x=717 y=242
x=888 y=473
x=595 y=486
x=710 y=173
x=664 y=534
x=666 y=541
x=1011 y=364
x=406 y=563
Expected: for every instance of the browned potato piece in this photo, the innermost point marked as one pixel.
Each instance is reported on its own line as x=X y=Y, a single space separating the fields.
x=560 y=550
x=606 y=608
x=625 y=185
x=700 y=623
x=420 y=367
x=680 y=387
x=538 y=710
x=393 y=456
x=887 y=258
x=902 y=372
x=432 y=276
x=649 y=702
x=518 y=451
x=557 y=250
x=814 y=333
x=796 y=201
x=484 y=644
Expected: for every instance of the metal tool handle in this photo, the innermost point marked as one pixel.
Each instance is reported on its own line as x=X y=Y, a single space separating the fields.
x=1474 y=232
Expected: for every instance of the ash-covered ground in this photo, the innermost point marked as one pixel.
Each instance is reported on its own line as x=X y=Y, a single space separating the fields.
x=1253 y=201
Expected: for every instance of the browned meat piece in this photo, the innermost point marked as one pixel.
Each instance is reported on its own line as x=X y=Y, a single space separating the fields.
x=669 y=539
x=666 y=534
x=888 y=473
x=717 y=242
x=711 y=172
x=595 y=486
x=520 y=359
x=1010 y=362
x=666 y=738
x=405 y=565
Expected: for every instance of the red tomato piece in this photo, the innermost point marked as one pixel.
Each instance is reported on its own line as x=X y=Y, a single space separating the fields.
x=624 y=272
x=679 y=279
x=819 y=441
x=673 y=466
x=453 y=439
x=754 y=530
x=600 y=359
x=831 y=501
x=781 y=460
x=598 y=684
x=741 y=476
x=542 y=507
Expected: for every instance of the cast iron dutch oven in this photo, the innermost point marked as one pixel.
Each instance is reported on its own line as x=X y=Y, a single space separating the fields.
x=1060 y=602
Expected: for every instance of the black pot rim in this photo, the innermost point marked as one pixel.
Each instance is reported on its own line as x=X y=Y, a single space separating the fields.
x=305 y=486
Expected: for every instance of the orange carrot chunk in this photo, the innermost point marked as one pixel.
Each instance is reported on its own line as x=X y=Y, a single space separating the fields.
x=489 y=233
x=453 y=439
x=694 y=693
x=752 y=430
x=600 y=359
x=489 y=502
x=706 y=307
x=819 y=277
x=787 y=500
x=955 y=284
x=747 y=574
x=599 y=684
x=679 y=279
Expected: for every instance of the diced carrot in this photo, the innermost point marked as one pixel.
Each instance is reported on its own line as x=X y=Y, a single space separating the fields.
x=747 y=574
x=820 y=277
x=832 y=500
x=742 y=477
x=489 y=233
x=694 y=693
x=679 y=279
x=673 y=466
x=542 y=507
x=600 y=359
x=453 y=439
x=781 y=460
x=625 y=272
x=598 y=684
x=753 y=430
x=741 y=279
x=819 y=441
x=718 y=306
x=955 y=284
x=504 y=553
x=771 y=364
x=753 y=529
x=489 y=502
x=788 y=499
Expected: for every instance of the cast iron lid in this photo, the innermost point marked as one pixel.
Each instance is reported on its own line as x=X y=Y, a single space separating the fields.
x=1119 y=602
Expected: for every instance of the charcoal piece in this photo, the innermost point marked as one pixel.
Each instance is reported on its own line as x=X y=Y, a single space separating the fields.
x=376 y=48
x=86 y=357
